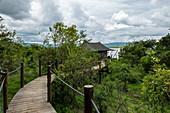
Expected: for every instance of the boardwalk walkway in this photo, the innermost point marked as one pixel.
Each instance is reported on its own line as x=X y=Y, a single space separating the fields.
x=32 y=98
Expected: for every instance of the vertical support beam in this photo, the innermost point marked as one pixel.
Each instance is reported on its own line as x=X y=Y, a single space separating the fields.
x=56 y=64
x=6 y=91
x=49 y=98
x=22 y=75
x=100 y=76
x=88 y=95
x=39 y=67
x=99 y=65
x=100 y=73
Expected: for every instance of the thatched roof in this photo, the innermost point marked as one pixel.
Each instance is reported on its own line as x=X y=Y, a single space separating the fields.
x=96 y=46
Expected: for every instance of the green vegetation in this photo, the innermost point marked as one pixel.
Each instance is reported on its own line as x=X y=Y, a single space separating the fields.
x=138 y=82
x=116 y=46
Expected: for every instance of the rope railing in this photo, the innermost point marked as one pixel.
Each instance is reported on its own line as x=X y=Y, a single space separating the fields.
x=67 y=84
x=93 y=103
x=2 y=84
x=14 y=70
x=53 y=63
x=85 y=95
x=1 y=87
x=30 y=64
x=95 y=106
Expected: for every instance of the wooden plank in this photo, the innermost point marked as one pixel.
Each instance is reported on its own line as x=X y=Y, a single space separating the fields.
x=32 y=98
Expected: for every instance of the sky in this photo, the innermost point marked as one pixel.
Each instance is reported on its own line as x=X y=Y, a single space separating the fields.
x=106 y=21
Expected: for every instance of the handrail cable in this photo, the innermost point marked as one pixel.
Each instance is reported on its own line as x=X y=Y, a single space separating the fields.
x=15 y=70
x=95 y=106
x=76 y=91
x=67 y=84
x=20 y=67
x=30 y=64
x=2 y=85
x=52 y=63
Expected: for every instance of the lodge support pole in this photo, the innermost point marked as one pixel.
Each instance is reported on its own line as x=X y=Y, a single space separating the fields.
x=22 y=75
x=88 y=95
x=5 y=91
x=100 y=76
x=49 y=98
x=39 y=67
x=100 y=73
x=56 y=64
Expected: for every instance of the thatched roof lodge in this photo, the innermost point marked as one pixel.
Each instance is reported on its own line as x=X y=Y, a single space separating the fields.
x=98 y=47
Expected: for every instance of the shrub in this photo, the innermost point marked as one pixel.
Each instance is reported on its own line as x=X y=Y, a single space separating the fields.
x=156 y=89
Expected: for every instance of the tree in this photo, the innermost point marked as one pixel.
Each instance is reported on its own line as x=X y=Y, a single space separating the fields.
x=64 y=39
x=140 y=53
x=163 y=50
x=156 y=90
x=75 y=63
x=10 y=50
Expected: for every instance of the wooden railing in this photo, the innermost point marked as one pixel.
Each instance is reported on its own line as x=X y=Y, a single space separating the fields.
x=88 y=89
x=4 y=82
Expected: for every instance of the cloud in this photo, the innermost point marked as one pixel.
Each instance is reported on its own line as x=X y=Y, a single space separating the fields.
x=105 y=21
x=121 y=16
x=18 y=9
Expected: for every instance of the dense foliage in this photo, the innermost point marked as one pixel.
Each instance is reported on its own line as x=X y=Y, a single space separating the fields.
x=137 y=82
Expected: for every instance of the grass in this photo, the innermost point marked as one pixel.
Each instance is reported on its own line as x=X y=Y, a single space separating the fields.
x=30 y=73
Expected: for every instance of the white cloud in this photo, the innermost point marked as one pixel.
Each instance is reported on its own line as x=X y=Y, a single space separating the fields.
x=105 y=21
x=119 y=17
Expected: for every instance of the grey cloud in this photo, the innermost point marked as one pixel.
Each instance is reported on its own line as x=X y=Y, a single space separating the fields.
x=18 y=9
x=106 y=21
x=50 y=13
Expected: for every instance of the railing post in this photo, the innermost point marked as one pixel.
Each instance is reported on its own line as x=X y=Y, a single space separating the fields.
x=39 y=67
x=88 y=95
x=49 y=98
x=6 y=91
x=22 y=75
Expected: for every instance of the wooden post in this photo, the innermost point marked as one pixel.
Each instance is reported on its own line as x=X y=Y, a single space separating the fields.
x=100 y=73
x=99 y=65
x=100 y=76
x=39 y=67
x=5 y=91
x=88 y=95
x=22 y=75
x=49 y=98
x=56 y=64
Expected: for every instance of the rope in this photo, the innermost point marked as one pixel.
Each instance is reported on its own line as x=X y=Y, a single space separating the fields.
x=2 y=85
x=30 y=64
x=20 y=67
x=1 y=72
x=52 y=63
x=67 y=84
x=95 y=106
x=76 y=91
x=14 y=70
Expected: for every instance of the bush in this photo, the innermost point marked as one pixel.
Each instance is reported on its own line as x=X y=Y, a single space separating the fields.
x=156 y=90
x=125 y=72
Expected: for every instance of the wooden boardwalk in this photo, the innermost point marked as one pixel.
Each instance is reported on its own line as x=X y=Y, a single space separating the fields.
x=32 y=98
